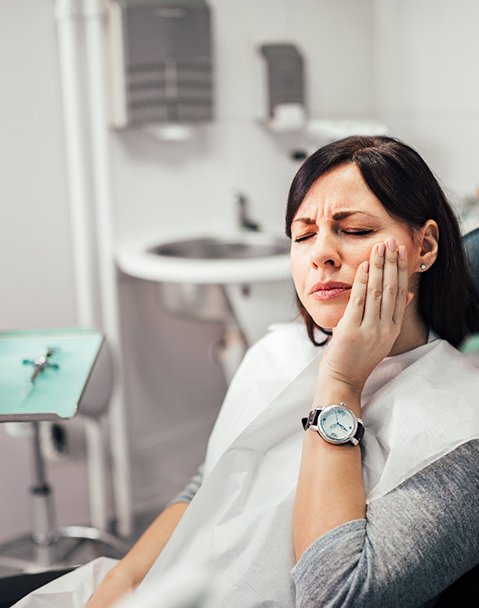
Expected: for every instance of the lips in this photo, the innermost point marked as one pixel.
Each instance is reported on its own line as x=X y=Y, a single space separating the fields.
x=329 y=290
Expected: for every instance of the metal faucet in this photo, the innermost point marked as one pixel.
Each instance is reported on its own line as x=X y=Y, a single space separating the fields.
x=244 y=220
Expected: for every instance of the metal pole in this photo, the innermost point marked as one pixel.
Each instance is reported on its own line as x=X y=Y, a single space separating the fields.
x=43 y=524
x=94 y=13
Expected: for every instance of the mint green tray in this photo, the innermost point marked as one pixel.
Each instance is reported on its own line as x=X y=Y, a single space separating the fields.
x=56 y=393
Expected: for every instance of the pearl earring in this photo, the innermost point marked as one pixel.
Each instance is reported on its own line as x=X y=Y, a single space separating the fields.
x=423 y=267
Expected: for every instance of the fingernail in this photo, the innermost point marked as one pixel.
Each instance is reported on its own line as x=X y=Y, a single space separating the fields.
x=391 y=242
x=366 y=266
x=380 y=249
x=402 y=252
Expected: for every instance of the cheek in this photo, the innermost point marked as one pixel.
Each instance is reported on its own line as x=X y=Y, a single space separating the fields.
x=358 y=258
x=298 y=270
x=356 y=254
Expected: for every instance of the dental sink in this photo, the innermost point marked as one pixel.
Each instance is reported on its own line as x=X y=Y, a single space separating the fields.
x=202 y=259
x=216 y=248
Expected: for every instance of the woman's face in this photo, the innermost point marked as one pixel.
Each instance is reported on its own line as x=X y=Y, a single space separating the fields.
x=333 y=231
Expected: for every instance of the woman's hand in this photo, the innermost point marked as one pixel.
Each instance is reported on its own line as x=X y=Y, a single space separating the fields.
x=131 y=570
x=372 y=319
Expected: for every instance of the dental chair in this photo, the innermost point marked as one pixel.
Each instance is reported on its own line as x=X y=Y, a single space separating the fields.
x=470 y=346
x=471 y=245
x=49 y=377
x=463 y=592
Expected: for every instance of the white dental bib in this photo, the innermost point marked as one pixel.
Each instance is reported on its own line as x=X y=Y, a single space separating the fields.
x=417 y=407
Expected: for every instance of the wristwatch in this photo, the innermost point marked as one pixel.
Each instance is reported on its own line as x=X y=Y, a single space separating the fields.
x=336 y=424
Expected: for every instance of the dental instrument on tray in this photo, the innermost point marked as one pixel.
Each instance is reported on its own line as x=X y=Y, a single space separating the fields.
x=40 y=364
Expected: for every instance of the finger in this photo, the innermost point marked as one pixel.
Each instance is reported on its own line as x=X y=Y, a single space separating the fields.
x=390 y=280
x=403 y=296
x=375 y=284
x=355 y=307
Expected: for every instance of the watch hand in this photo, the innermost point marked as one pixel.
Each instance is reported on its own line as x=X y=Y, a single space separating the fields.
x=343 y=427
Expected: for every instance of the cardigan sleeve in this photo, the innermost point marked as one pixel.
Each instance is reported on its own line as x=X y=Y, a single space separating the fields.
x=189 y=491
x=413 y=543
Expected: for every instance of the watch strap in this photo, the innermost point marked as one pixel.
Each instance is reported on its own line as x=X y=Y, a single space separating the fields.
x=359 y=434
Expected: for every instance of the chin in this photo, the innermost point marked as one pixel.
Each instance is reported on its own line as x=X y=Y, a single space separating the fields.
x=325 y=315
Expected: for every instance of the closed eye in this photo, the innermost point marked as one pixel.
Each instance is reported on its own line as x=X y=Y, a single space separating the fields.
x=304 y=237
x=354 y=233
x=357 y=232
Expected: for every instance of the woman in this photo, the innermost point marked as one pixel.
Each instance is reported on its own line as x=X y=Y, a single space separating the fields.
x=326 y=516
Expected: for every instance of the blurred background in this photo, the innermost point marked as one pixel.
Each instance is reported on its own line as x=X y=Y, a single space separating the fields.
x=88 y=176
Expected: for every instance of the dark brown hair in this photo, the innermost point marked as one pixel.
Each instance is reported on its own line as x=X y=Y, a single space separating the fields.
x=401 y=180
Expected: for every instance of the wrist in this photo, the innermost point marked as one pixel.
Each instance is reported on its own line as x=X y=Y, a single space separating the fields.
x=327 y=377
x=335 y=392
x=313 y=442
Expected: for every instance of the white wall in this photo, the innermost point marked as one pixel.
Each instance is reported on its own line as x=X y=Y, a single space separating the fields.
x=426 y=89
x=36 y=261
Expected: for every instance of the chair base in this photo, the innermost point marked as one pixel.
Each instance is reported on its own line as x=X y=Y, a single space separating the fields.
x=69 y=546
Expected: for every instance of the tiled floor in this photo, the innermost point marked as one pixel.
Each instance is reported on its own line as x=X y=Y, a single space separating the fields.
x=73 y=552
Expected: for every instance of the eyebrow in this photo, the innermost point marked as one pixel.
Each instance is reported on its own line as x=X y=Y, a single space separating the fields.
x=339 y=215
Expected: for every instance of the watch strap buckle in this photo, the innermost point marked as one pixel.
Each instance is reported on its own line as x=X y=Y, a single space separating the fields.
x=310 y=420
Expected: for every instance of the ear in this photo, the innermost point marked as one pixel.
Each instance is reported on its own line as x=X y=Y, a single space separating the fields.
x=428 y=244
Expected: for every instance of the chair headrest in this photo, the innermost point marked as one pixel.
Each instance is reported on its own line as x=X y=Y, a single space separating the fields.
x=471 y=246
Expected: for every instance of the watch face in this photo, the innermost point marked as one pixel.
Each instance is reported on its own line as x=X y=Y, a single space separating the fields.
x=337 y=424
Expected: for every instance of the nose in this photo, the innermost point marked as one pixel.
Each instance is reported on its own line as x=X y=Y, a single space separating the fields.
x=325 y=251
